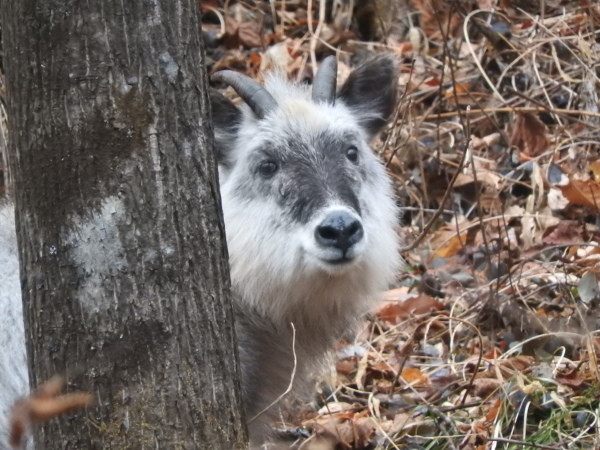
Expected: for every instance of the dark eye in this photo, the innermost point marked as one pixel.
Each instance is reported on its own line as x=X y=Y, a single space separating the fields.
x=352 y=154
x=268 y=168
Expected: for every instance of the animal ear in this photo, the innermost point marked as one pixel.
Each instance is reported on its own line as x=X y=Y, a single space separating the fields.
x=226 y=118
x=370 y=92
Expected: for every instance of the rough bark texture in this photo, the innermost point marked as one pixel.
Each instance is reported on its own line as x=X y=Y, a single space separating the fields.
x=122 y=244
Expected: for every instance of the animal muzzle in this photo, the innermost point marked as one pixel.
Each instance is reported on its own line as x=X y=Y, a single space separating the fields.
x=339 y=230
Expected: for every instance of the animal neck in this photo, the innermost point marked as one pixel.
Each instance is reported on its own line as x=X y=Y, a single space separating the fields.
x=321 y=308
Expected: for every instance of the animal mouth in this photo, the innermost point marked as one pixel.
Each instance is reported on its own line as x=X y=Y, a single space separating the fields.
x=340 y=261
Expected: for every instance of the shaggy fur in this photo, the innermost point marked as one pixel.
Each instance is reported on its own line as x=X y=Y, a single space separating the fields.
x=14 y=380
x=277 y=267
x=280 y=273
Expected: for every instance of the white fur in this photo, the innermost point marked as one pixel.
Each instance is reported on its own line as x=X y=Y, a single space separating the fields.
x=272 y=268
x=14 y=379
x=278 y=271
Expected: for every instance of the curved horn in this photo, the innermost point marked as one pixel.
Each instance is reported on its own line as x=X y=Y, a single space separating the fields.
x=255 y=96
x=325 y=81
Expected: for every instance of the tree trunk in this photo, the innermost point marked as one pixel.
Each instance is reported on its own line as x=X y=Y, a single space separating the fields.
x=122 y=246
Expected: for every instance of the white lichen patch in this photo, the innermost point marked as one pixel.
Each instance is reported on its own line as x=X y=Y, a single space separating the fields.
x=169 y=66
x=96 y=247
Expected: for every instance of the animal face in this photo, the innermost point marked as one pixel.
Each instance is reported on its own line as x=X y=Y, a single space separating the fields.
x=304 y=198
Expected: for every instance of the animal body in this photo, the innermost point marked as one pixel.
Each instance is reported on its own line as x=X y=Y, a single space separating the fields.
x=310 y=220
x=14 y=380
x=309 y=215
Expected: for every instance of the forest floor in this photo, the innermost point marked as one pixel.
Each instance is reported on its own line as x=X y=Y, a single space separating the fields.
x=489 y=339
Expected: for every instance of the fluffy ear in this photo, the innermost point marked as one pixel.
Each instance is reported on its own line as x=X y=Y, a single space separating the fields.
x=226 y=118
x=370 y=92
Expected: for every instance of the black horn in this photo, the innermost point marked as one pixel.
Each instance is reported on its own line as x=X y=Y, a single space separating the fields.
x=255 y=96
x=325 y=81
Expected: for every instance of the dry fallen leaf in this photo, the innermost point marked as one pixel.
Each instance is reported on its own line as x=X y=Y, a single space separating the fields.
x=333 y=431
x=415 y=377
x=346 y=366
x=396 y=312
x=448 y=240
x=277 y=57
x=494 y=411
x=574 y=380
x=436 y=12
x=346 y=430
x=452 y=246
x=529 y=134
x=484 y=387
x=566 y=232
x=518 y=363
x=583 y=193
x=249 y=34
x=42 y=405
x=594 y=169
x=486 y=141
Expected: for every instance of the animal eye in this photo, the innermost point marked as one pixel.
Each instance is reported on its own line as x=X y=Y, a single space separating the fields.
x=268 y=168
x=352 y=154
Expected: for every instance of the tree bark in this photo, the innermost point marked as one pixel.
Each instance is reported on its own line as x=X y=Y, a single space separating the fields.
x=125 y=276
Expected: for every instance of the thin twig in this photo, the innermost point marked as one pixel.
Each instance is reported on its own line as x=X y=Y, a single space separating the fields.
x=292 y=376
x=315 y=35
x=439 y=211
x=509 y=109
x=545 y=108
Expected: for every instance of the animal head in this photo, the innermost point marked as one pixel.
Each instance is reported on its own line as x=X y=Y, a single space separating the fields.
x=308 y=207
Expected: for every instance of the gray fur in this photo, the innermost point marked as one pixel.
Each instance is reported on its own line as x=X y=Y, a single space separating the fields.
x=281 y=275
x=282 y=174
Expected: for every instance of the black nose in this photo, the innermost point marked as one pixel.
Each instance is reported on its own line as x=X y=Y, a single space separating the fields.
x=340 y=230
